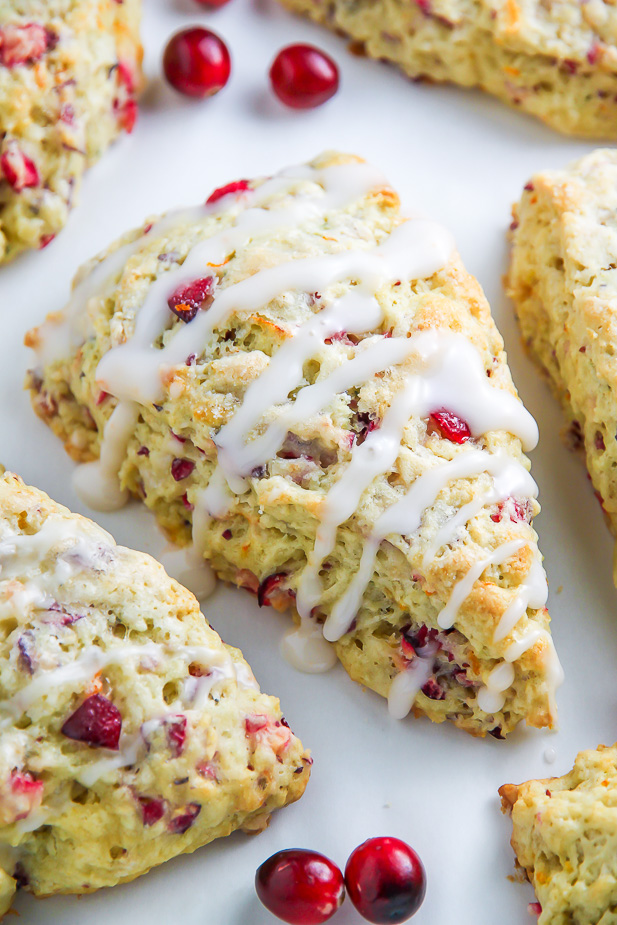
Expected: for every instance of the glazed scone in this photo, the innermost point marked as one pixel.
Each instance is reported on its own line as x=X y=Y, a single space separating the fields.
x=563 y=836
x=563 y=281
x=311 y=389
x=557 y=60
x=69 y=70
x=129 y=733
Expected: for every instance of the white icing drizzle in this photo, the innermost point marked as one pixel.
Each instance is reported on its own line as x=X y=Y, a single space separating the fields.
x=491 y=696
x=132 y=371
x=550 y=755
x=70 y=541
x=462 y=589
x=94 y=659
x=131 y=749
x=405 y=516
x=407 y=684
x=74 y=547
x=66 y=330
x=533 y=592
x=451 y=376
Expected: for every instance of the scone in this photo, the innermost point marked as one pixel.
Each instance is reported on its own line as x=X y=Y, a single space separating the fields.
x=129 y=733
x=564 y=832
x=556 y=60
x=310 y=389
x=563 y=281
x=69 y=70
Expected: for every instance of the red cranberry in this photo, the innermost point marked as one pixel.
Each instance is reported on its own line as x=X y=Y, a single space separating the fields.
x=127 y=113
x=184 y=819
x=255 y=723
x=96 y=722
x=267 y=586
x=212 y=4
x=23 y=44
x=18 y=169
x=303 y=76
x=238 y=186
x=433 y=690
x=300 y=887
x=24 y=782
x=176 y=734
x=451 y=426
x=181 y=468
x=151 y=810
x=186 y=301
x=385 y=880
x=196 y=62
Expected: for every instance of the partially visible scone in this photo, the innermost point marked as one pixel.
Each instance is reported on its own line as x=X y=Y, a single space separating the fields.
x=564 y=835
x=129 y=733
x=556 y=60
x=563 y=280
x=69 y=71
x=310 y=387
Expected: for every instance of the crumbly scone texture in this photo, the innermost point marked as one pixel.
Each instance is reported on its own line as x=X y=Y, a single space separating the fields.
x=563 y=836
x=201 y=752
x=557 y=61
x=69 y=71
x=263 y=541
x=563 y=280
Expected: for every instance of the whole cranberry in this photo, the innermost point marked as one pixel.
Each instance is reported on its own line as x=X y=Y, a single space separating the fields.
x=212 y=4
x=303 y=77
x=385 y=880
x=196 y=62
x=300 y=887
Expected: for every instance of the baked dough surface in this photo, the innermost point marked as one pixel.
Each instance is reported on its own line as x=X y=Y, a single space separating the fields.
x=69 y=71
x=557 y=61
x=564 y=838
x=180 y=746
x=563 y=281
x=267 y=532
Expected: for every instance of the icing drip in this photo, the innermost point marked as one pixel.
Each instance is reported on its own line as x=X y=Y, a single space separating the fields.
x=407 y=684
x=188 y=567
x=305 y=648
x=550 y=755
x=97 y=483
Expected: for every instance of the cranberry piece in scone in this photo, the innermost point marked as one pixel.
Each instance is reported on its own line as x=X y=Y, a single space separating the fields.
x=96 y=722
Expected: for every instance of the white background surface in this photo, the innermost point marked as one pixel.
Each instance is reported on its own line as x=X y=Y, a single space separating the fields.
x=462 y=158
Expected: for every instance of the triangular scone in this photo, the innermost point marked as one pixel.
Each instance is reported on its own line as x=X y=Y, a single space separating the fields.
x=556 y=61
x=564 y=832
x=129 y=733
x=562 y=280
x=344 y=369
x=69 y=70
